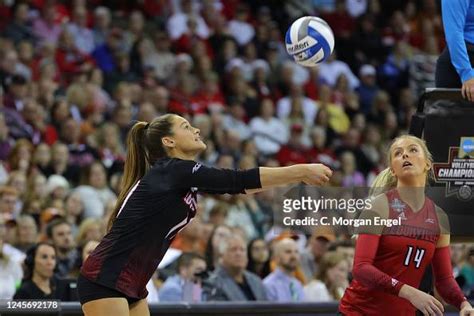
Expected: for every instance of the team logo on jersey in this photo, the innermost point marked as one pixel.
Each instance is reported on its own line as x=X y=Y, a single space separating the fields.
x=402 y=215
x=196 y=167
x=430 y=220
x=394 y=282
x=458 y=172
x=398 y=205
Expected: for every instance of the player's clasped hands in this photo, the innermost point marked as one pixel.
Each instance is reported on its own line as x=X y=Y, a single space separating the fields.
x=316 y=174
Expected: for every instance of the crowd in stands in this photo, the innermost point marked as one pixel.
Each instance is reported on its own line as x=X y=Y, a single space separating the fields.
x=75 y=75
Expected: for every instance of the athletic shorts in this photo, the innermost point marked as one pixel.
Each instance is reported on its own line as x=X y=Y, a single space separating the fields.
x=90 y=291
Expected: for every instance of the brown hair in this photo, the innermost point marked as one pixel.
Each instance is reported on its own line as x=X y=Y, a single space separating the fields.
x=385 y=180
x=329 y=260
x=144 y=148
x=13 y=158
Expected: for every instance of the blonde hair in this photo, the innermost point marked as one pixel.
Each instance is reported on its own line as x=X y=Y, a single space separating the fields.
x=86 y=225
x=385 y=180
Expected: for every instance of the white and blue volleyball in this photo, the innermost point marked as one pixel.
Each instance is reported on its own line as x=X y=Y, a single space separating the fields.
x=310 y=41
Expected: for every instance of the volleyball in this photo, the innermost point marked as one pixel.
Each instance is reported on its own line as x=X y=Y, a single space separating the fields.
x=309 y=40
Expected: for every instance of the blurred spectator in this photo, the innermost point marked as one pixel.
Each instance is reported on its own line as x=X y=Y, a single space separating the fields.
x=6 y=142
x=60 y=164
x=286 y=105
x=90 y=229
x=27 y=232
x=369 y=48
x=20 y=29
x=134 y=33
x=319 y=151
x=235 y=121
x=177 y=23
x=346 y=247
x=219 y=233
x=102 y=19
x=368 y=88
x=160 y=58
x=73 y=210
x=70 y=60
x=231 y=281
x=80 y=153
x=57 y=187
x=338 y=119
x=59 y=233
x=331 y=280
x=259 y=257
x=351 y=142
x=38 y=282
x=351 y=177
x=467 y=271
x=8 y=201
x=186 y=285
x=42 y=157
x=10 y=270
x=17 y=90
x=110 y=148
x=82 y=35
x=268 y=131
x=104 y=55
x=280 y=285
x=317 y=247
x=46 y=28
x=242 y=31
x=332 y=68
x=294 y=151
x=94 y=190
x=218 y=214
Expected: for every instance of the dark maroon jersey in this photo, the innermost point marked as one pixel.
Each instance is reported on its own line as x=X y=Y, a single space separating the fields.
x=158 y=206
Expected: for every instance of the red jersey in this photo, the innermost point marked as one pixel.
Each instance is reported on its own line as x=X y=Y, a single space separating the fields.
x=403 y=253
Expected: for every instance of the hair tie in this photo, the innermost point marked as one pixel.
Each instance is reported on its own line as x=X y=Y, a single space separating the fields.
x=146 y=126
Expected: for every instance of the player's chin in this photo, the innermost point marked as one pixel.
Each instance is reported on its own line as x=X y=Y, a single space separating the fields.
x=202 y=146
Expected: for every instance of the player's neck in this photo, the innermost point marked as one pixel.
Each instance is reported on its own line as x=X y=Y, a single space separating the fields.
x=183 y=156
x=413 y=196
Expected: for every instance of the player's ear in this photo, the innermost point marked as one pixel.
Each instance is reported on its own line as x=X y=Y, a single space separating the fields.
x=428 y=165
x=168 y=142
x=392 y=172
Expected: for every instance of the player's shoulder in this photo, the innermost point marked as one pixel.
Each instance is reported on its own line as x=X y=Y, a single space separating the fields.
x=443 y=219
x=174 y=163
x=380 y=204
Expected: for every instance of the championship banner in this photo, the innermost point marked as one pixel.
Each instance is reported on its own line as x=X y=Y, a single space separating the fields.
x=446 y=122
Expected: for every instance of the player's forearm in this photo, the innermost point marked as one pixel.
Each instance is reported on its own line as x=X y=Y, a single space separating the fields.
x=272 y=177
x=445 y=282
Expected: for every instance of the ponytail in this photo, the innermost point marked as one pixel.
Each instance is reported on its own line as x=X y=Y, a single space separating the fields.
x=144 y=148
x=384 y=181
x=136 y=165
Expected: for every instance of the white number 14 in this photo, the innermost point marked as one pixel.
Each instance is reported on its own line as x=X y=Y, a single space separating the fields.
x=419 y=253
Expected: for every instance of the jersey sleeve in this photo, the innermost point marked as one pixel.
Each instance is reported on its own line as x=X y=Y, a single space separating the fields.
x=445 y=282
x=188 y=173
x=364 y=270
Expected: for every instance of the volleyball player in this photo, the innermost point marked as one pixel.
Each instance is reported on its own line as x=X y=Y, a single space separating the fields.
x=390 y=261
x=158 y=198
